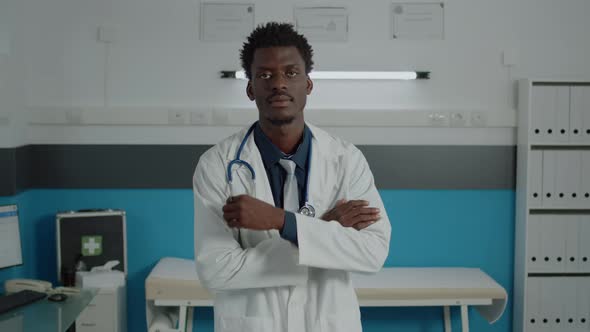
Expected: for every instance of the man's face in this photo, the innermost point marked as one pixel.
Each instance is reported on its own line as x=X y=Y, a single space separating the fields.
x=279 y=84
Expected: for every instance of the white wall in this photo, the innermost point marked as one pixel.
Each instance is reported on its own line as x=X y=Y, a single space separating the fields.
x=157 y=60
x=12 y=114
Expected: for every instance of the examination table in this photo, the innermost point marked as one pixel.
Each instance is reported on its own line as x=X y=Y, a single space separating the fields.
x=172 y=289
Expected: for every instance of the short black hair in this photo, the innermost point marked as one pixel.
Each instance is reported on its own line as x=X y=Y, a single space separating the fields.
x=274 y=34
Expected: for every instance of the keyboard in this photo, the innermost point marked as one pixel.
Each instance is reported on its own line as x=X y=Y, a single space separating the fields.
x=20 y=298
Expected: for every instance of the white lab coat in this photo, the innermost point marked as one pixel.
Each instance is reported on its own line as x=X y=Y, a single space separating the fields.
x=265 y=283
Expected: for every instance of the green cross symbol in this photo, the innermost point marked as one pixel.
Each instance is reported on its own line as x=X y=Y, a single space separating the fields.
x=92 y=245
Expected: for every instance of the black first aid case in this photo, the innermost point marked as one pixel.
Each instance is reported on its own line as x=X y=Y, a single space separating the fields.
x=89 y=238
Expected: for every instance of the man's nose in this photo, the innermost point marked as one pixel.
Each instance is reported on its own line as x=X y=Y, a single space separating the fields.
x=278 y=82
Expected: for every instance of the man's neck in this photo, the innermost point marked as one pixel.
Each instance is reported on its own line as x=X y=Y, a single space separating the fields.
x=285 y=137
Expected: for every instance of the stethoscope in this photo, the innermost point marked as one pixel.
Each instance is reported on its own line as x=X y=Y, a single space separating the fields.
x=307 y=209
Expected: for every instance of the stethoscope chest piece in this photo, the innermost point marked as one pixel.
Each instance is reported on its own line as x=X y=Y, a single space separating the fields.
x=307 y=210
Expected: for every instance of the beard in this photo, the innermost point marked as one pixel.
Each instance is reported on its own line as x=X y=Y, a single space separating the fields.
x=281 y=122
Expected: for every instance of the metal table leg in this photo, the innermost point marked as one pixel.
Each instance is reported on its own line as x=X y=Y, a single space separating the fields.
x=464 y=319
x=182 y=318
x=447 y=314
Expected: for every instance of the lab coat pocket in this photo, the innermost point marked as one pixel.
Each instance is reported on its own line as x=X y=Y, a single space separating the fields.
x=341 y=323
x=244 y=324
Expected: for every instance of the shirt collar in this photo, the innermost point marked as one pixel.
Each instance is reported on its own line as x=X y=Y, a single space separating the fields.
x=271 y=154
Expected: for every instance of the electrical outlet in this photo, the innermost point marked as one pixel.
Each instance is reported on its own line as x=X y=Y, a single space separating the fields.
x=74 y=117
x=201 y=118
x=458 y=119
x=437 y=119
x=219 y=118
x=176 y=117
x=478 y=119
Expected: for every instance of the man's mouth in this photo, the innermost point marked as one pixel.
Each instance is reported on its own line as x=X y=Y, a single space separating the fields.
x=280 y=101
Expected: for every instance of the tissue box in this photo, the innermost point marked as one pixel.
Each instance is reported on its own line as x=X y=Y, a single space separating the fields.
x=100 y=279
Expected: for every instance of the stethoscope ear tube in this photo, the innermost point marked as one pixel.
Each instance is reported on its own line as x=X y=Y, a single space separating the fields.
x=239 y=162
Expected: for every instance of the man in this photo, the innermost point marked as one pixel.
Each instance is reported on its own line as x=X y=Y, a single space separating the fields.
x=271 y=263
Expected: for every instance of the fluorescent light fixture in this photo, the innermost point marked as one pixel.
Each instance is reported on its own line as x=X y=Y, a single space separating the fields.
x=364 y=75
x=348 y=75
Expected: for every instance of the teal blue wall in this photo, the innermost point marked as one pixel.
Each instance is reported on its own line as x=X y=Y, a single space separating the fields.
x=467 y=228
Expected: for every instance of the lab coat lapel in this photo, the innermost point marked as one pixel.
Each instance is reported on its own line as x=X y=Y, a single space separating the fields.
x=322 y=176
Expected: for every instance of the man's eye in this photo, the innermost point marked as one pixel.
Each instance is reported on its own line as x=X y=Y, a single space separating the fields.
x=291 y=74
x=264 y=76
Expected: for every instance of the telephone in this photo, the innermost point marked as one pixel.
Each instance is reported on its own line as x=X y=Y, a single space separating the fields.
x=15 y=285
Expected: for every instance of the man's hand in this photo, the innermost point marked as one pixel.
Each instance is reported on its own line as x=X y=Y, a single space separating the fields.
x=355 y=213
x=245 y=211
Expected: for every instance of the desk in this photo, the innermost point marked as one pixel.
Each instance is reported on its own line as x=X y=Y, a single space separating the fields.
x=174 y=282
x=45 y=315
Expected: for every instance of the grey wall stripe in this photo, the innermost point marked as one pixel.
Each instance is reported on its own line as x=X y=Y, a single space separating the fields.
x=114 y=166
x=442 y=167
x=24 y=167
x=172 y=166
x=7 y=172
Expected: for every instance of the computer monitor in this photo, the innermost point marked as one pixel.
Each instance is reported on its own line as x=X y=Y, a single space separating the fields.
x=10 y=244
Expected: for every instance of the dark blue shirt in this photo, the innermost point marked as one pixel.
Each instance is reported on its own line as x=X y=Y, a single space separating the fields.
x=271 y=155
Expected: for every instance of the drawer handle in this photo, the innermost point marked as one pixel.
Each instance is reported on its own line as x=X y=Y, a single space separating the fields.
x=88 y=324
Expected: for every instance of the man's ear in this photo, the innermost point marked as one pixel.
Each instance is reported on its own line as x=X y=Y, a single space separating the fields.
x=309 y=85
x=249 y=91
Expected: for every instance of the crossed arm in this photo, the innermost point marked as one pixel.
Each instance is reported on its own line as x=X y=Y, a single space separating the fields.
x=352 y=236
x=245 y=211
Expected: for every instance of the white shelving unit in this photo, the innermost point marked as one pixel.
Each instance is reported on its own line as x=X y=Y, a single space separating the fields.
x=552 y=232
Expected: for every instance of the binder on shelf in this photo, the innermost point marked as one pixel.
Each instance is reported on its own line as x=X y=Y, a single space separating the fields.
x=541 y=103
x=553 y=243
x=535 y=177
x=561 y=115
x=571 y=243
x=533 y=304
x=534 y=260
x=568 y=178
x=585 y=173
x=550 y=113
x=575 y=179
x=547 y=299
x=584 y=244
x=557 y=306
x=549 y=167
x=570 y=305
x=562 y=193
x=580 y=114
x=583 y=304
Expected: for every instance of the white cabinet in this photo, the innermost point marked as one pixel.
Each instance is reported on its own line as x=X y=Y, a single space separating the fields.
x=552 y=230
x=106 y=312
